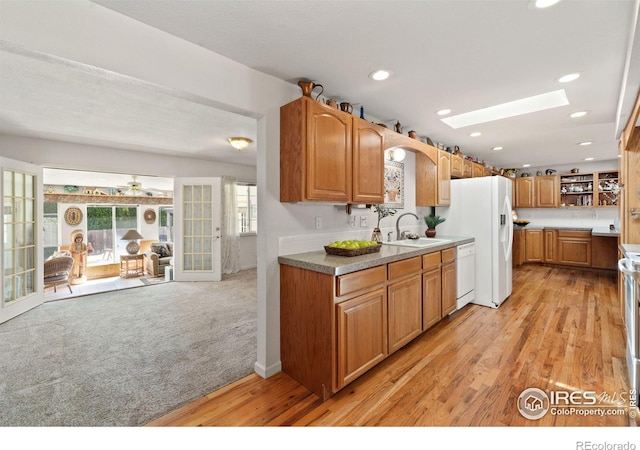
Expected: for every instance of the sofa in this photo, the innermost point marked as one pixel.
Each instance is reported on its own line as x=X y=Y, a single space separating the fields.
x=158 y=258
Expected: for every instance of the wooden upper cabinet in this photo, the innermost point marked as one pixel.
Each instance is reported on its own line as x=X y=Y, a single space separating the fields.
x=547 y=191
x=524 y=192
x=329 y=155
x=467 y=169
x=457 y=163
x=426 y=180
x=444 y=178
x=368 y=162
x=478 y=170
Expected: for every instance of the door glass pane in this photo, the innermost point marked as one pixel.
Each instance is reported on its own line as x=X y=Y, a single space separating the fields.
x=126 y=219
x=100 y=234
x=18 y=208
x=197 y=225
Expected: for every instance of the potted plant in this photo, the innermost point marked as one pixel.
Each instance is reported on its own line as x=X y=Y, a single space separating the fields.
x=432 y=221
x=382 y=212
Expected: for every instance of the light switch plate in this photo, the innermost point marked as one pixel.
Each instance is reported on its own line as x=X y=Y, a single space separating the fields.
x=364 y=221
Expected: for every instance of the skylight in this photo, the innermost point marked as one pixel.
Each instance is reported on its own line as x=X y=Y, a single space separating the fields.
x=527 y=105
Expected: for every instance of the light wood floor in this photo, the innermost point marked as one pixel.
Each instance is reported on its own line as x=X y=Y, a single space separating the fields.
x=560 y=330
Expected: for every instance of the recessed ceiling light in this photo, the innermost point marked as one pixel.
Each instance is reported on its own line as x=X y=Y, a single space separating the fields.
x=545 y=3
x=475 y=134
x=569 y=77
x=619 y=156
x=443 y=112
x=588 y=159
x=585 y=143
x=577 y=114
x=526 y=165
x=497 y=148
x=380 y=75
x=510 y=109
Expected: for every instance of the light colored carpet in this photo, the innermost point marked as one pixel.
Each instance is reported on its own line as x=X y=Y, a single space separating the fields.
x=125 y=358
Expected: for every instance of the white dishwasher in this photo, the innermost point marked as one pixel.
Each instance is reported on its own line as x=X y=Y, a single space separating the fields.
x=465 y=274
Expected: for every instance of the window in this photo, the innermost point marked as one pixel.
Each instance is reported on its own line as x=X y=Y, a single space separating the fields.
x=50 y=229
x=247 y=196
x=165 y=224
x=106 y=225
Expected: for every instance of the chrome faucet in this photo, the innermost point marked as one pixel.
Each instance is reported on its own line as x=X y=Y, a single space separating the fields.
x=398 y=222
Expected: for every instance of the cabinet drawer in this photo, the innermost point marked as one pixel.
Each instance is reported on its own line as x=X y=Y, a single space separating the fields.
x=448 y=255
x=355 y=281
x=405 y=267
x=574 y=234
x=431 y=261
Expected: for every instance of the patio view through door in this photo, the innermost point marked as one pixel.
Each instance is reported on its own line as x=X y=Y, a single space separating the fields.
x=197 y=215
x=21 y=275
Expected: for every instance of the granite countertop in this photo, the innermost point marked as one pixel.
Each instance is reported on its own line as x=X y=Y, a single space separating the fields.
x=320 y=261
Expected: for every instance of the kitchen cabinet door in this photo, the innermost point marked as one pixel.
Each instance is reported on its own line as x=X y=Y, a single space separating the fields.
x=534 y=246
x=315 y=152
x=478 y=170
x=518 y=247
x=524 y=192
x=361 y=335
x=448 y=287
x=431 y=298
x=444 y=178
x=574 y=247
x=368 y=162
x=457 y=164
x=467 y=169
x=404 y=312
x=547 y=191
x=550 y=246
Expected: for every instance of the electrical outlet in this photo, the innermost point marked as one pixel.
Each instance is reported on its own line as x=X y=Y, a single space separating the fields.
x=318 y=222
x=352 y=221
x=364 y=223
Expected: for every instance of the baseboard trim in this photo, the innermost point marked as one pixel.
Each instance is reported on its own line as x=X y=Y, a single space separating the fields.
x=266 y=372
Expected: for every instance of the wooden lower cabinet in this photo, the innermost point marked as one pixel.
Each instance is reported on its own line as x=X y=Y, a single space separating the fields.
x=448 y=281
x=362 y=335
x=518 y=247
x=574 y=247
x=431 y=298
x=534 y=245
x=550 y=246
x=404 y=300
x=335 y=328
x=604 y=252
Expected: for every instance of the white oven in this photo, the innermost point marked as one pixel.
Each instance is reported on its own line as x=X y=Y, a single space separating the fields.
x=465 y=274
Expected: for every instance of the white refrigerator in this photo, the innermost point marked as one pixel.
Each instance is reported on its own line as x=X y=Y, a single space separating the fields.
x=482 y=208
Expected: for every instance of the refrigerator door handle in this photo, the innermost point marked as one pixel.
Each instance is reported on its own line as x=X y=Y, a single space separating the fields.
x=508 y=208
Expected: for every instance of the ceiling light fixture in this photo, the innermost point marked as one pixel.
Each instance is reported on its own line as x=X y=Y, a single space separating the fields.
x=239 y=142
x=380 y=75
x=585 y=143
x=443 y=112
x=475 y=134
x=527 y=105
x=568 y=78
x=577 y=114
x=395 y=154
x=588 y=159
x=497 y=148
x=526 y=165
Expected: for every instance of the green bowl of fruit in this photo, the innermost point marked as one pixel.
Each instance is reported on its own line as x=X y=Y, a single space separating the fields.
x=352 y=247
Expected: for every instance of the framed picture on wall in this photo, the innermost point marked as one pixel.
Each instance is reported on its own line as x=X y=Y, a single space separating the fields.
x=394 y=184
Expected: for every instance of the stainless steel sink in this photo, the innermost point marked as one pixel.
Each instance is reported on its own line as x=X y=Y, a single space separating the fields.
x=420 y=242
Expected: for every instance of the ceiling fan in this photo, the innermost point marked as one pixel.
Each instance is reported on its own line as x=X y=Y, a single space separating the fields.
x=135 y=188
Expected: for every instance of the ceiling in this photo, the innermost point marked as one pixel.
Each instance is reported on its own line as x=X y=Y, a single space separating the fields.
x=462 y=55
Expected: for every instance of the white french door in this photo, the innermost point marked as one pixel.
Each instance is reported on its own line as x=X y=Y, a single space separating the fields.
x=197 y=215
x=21 y=265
